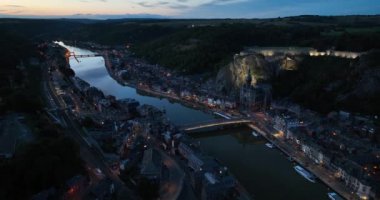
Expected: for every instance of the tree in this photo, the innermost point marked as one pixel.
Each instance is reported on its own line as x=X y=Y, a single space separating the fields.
x=67 y=72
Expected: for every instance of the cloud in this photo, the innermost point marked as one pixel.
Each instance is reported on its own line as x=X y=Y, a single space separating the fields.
x=178 y=6
x=182 y=4
x=89 y=1
x=13 y=6
x=152 y=5
x=11 y=9
x=224 y=2
x=84 y=16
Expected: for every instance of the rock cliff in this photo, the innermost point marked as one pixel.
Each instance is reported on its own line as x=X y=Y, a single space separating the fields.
x=234 y=75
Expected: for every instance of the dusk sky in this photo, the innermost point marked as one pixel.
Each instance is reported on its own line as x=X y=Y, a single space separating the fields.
x=186 y=8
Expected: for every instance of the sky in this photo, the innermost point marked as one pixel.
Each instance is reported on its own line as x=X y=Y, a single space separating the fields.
x=102 y=9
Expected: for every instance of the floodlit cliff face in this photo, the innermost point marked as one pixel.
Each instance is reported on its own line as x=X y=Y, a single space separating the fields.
x=290 y=62
x=234 y=75
x=320 y=83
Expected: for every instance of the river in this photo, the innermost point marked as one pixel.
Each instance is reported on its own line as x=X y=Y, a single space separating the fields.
x=264 y=172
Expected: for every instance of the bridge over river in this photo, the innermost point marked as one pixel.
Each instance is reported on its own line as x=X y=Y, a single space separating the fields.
x=216 y=123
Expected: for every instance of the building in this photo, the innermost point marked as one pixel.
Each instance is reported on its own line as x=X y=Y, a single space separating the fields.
x=217 y=184
x=75 y=187
x=192 y=155
x=312 y=151
x=131 y=104
x=151 y=167
x=352 y=175
x=285 y=121
x=104 y=190
x=254 y=98
x=103 y=104
x=275 y=51
x=80 y=84
x=94 y=94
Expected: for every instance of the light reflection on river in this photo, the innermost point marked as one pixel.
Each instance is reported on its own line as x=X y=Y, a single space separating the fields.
x=264 y=172
x=93 y=71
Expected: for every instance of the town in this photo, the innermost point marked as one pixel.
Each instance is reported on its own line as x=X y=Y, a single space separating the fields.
x=140 y=149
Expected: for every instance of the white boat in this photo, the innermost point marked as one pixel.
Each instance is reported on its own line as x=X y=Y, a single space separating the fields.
x=334 y=196
x=309 y=176
x=270 y=145
x=254 y=133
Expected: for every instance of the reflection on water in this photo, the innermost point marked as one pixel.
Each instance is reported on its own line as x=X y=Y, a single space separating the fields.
x=266 y=173
x=93 y=71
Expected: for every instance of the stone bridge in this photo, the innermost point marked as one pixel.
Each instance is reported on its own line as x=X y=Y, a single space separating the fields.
x=215 y=123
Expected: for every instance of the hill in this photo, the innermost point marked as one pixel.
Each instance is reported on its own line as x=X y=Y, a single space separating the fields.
x=196 y=46
x=328 y=83
x=193 y=46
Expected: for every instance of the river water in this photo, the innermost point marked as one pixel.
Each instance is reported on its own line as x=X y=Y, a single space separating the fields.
x=264 y=172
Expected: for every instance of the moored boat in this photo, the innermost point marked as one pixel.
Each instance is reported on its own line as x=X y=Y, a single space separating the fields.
x=254 y=133
x=334 y=196
x=270 y=145
x=309 y=176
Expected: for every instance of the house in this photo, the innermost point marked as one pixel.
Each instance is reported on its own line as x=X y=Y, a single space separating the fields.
x=297 y=134
x=230 y=104
x=80 y=84
x=313 y=151
x=217 y=184
x=185 y=94
x=352 y=175
x=68 y=100
x=196 y=176
x=75 y=186
x=104 y=190
x=191 y=154
x=131 y=104
x=195 y=162
x=343 y=115
x=103 y=104
x=151 y=167
x=285 y=121
x=94 y=94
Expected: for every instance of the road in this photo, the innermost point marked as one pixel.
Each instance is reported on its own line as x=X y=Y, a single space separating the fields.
x=172 y=188
x=91 y=156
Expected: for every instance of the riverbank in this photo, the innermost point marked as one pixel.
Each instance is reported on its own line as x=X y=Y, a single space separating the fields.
x=299 y=158
x=307 y=163
x=244 y=194
x=147 y=90
x=190 y=103
x=97 y=74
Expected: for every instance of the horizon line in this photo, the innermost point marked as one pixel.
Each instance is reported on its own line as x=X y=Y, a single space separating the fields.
x=101 y=17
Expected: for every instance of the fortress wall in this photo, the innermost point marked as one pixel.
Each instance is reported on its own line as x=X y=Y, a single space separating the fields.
x=269 y=52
